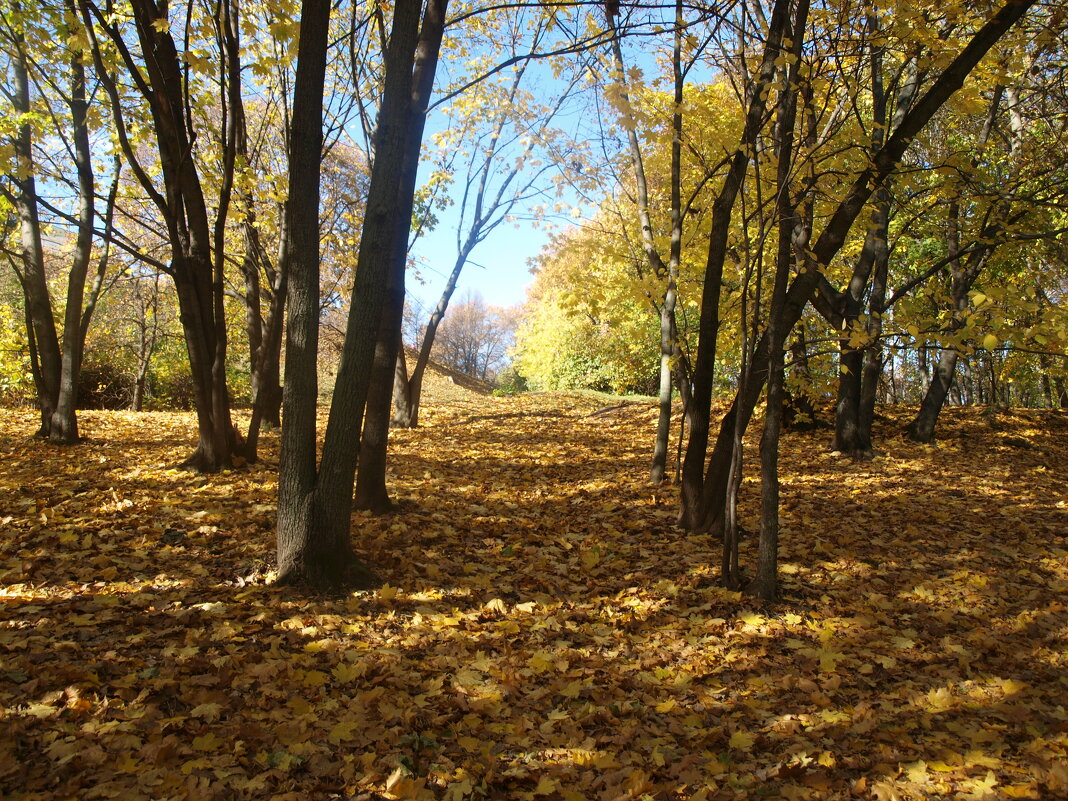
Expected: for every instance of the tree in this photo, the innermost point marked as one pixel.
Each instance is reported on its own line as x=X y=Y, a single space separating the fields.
x=475 y=338
x=165 y=79
x=672 y=360
x=314 y=506
x=705 y=512
x=56 y=361
x=500 y=135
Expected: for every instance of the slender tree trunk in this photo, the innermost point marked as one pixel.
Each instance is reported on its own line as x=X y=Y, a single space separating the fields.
x=708 y=328
x=765 y=585
x=669 y=346
x=64 y=424
x=407 y=402
x=41 y=325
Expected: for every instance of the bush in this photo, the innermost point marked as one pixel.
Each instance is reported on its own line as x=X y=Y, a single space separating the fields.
x=104 y=386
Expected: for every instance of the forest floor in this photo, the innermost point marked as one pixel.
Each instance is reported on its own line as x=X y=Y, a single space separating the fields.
x=544 y=631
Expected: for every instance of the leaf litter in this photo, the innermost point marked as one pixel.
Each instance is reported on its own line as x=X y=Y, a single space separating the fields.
x=544 y=631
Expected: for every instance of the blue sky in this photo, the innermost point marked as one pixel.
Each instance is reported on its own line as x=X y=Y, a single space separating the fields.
x=498 y=268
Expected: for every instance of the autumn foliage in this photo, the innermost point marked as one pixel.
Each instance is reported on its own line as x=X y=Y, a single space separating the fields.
x=544 y=630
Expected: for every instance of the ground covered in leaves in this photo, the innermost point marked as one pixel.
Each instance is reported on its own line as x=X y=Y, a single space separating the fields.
x=545 y=632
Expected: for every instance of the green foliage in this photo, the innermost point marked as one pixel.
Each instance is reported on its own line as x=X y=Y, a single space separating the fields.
x=585 y=325
x=16 y=381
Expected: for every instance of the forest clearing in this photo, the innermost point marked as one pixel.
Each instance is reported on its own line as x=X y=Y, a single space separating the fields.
x=291 y=511
x=543 y=630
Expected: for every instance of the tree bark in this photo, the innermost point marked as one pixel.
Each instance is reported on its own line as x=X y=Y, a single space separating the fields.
x=962 y=276
x=314 y=509
x=371 y=491
x=708 y=328
x=407 y=402
x=64 y=424
x=670 y=352
x=41 y=326
x=197 y=278
x=765 y=584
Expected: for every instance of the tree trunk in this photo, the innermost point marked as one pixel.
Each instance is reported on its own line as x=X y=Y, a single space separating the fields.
x=407 y=402
x=41 y=325
x=371 y=491
x=314 y=508
x=799 y=413
x=708 y=517
x=197 y=280
x=1062 y=392
x=670 y=352
x=64 y=423
x=708 y=328
x=922 y=427
x=765 y=584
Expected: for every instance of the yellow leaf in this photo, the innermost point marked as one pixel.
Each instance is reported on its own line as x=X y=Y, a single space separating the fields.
x=1025 y=790
x=828 y=660
x=940 y=699
x=666 y=706
x=342 y=732
x=346 y=672
x=546 y=785
x=206 y=742
x=387 y=593
x=990 y=342
x=469 y=744
x=540 y=662
x=916 y=771
x=591 y=557
x=207 y=711
x=752 y=619
x=1011 y=686
x=742 y=740
x=314 y=679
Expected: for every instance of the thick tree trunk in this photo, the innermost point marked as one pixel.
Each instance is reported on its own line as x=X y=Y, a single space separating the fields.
x=371 y=491
x=709 y=516
x=313 y=541
x=1062 y=392
x=198 y=281
x=314 y=509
